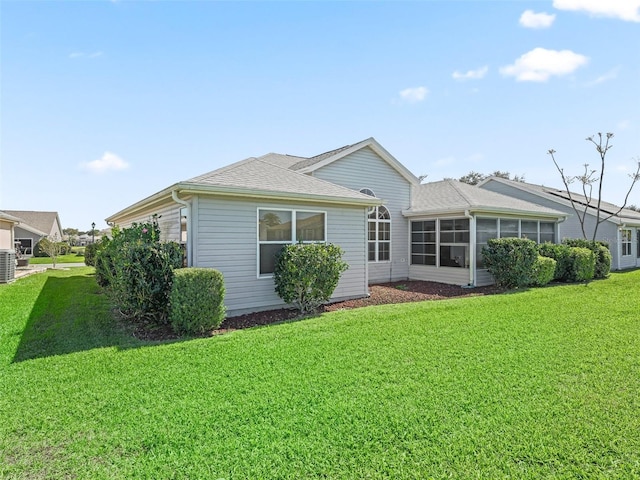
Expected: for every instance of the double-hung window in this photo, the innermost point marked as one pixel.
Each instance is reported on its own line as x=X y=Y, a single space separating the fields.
x=379 y=234
x=626 y=242
x=277 y=228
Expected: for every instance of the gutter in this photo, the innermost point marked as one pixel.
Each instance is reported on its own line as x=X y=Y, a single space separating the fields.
x=174 y=196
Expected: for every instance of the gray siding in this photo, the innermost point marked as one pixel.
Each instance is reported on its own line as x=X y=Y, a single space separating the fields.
x=168 y=219
x=570 y=228
x=225 y=238
x=365 y=169
x=453 y=276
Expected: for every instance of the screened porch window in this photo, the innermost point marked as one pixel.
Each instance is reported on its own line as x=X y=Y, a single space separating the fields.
x=454 y=243
x=25 y=245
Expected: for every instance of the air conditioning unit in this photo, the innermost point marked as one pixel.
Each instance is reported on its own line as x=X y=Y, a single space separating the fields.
x=7 y=266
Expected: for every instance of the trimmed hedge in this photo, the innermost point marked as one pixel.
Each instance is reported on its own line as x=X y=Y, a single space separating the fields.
x=197 y=300
x=601 y=251
x=510 y=260
x=560 y=253
x=583 y=263
x=306 y=275
x=90 y=252
x=543 y=271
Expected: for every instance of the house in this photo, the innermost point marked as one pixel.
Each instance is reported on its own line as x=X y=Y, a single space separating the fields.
x=33 y=226
x=7 y=226
x=360 y=197
x=621 y=230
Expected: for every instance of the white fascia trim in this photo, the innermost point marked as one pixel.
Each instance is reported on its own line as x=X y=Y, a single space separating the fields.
x=376 y=147
x=482 y=211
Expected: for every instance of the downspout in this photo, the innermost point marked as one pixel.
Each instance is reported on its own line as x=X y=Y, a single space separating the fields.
x=619 y=244
x=472 y=251
x=174 y=196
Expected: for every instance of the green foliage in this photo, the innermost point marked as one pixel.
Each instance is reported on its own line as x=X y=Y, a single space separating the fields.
x=137 y=269
x=560 y=253
x=306 y=275
x=510 y=260
x=601 y=251
x=583 y=263
x=50 y=247
x=543 y=271
x=197 y=300
x=90 y=252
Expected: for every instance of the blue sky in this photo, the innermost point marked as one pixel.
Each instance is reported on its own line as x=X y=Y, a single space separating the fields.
x=105 y=103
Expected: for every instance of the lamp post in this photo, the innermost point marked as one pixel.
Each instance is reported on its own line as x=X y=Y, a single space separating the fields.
x=93 y=232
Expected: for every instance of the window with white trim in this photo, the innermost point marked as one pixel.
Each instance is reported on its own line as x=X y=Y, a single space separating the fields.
x=379 y=234
x=279 y=227
x=626 y=242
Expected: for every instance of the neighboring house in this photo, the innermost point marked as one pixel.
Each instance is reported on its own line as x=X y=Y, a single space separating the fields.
x=33 y=227
x=236 y=218
x=7 y=226
x=621 y=231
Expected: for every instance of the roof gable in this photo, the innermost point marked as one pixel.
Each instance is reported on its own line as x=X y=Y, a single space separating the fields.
x=314 y=163
x=40 y=221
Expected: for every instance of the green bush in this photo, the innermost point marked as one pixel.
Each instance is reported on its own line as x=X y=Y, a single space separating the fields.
x=583 y=263
x=197 y=300
x=601 y=251
x=90 y=254
x=137 y=271
x=510 y=260
x=560 y=253
x=543 y=271
x=306 y=275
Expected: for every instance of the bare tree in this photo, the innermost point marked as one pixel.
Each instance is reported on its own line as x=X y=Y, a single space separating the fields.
x=52 y=247
x=588 y=180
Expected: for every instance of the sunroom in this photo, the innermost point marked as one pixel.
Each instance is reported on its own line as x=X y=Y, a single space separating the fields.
x=450 y=222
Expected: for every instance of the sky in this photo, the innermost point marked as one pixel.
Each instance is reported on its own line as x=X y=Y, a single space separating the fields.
x=103 y=103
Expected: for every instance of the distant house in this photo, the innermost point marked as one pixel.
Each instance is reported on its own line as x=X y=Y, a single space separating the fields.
x=7 y=226
x=33 y=226
x=360 y=197
x=621 y=231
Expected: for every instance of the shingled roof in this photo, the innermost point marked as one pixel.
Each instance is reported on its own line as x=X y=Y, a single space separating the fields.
x=43 y=222
x=453 y=196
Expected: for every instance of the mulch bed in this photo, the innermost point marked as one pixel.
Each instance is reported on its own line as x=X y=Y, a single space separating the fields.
x=380 y=294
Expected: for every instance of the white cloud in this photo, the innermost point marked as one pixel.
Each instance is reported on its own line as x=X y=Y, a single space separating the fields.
x=444 y=162
x=108 y=162
x=610 y=75
x=530 y=19
x=85 y=55
x=540 y=64
x=471 y=74
x=414 y=95
x=628 y=10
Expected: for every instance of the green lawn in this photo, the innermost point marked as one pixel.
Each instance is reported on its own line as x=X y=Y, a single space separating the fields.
x=70 y=258
x=537 y=384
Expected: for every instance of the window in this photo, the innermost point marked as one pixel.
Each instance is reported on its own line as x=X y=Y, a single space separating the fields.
x=423 y=242
x=508 y=228
x=486 y=229
x=529 y=229
x=379 y=234
x=26 y=245
x=277 y=228
x=454 y=243
x=440 y=242
x=547 y=232
x=626 y=242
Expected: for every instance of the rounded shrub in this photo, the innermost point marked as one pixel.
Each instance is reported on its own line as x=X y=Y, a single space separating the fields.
x=306 y=275
x=601 y=251
x=196 y=300
x=583 y=263
x=543 y=271
x=560 y=253
x=90 y=254
x=510 y=260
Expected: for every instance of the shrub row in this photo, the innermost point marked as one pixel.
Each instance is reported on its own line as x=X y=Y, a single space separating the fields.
x=519 y=262
x=39 y=249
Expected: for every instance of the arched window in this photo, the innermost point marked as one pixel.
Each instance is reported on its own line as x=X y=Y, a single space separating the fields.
x=379 y=234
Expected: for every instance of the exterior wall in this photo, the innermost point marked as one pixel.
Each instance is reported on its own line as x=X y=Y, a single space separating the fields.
x=225 y=237
x=6 y=235
x=570 y=228
x=365 y=169
x=454 y=276
x=19 y=233
x=168 y=219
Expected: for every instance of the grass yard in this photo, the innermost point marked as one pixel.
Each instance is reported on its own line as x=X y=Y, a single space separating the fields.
x=537 y=384
x=69 y=258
